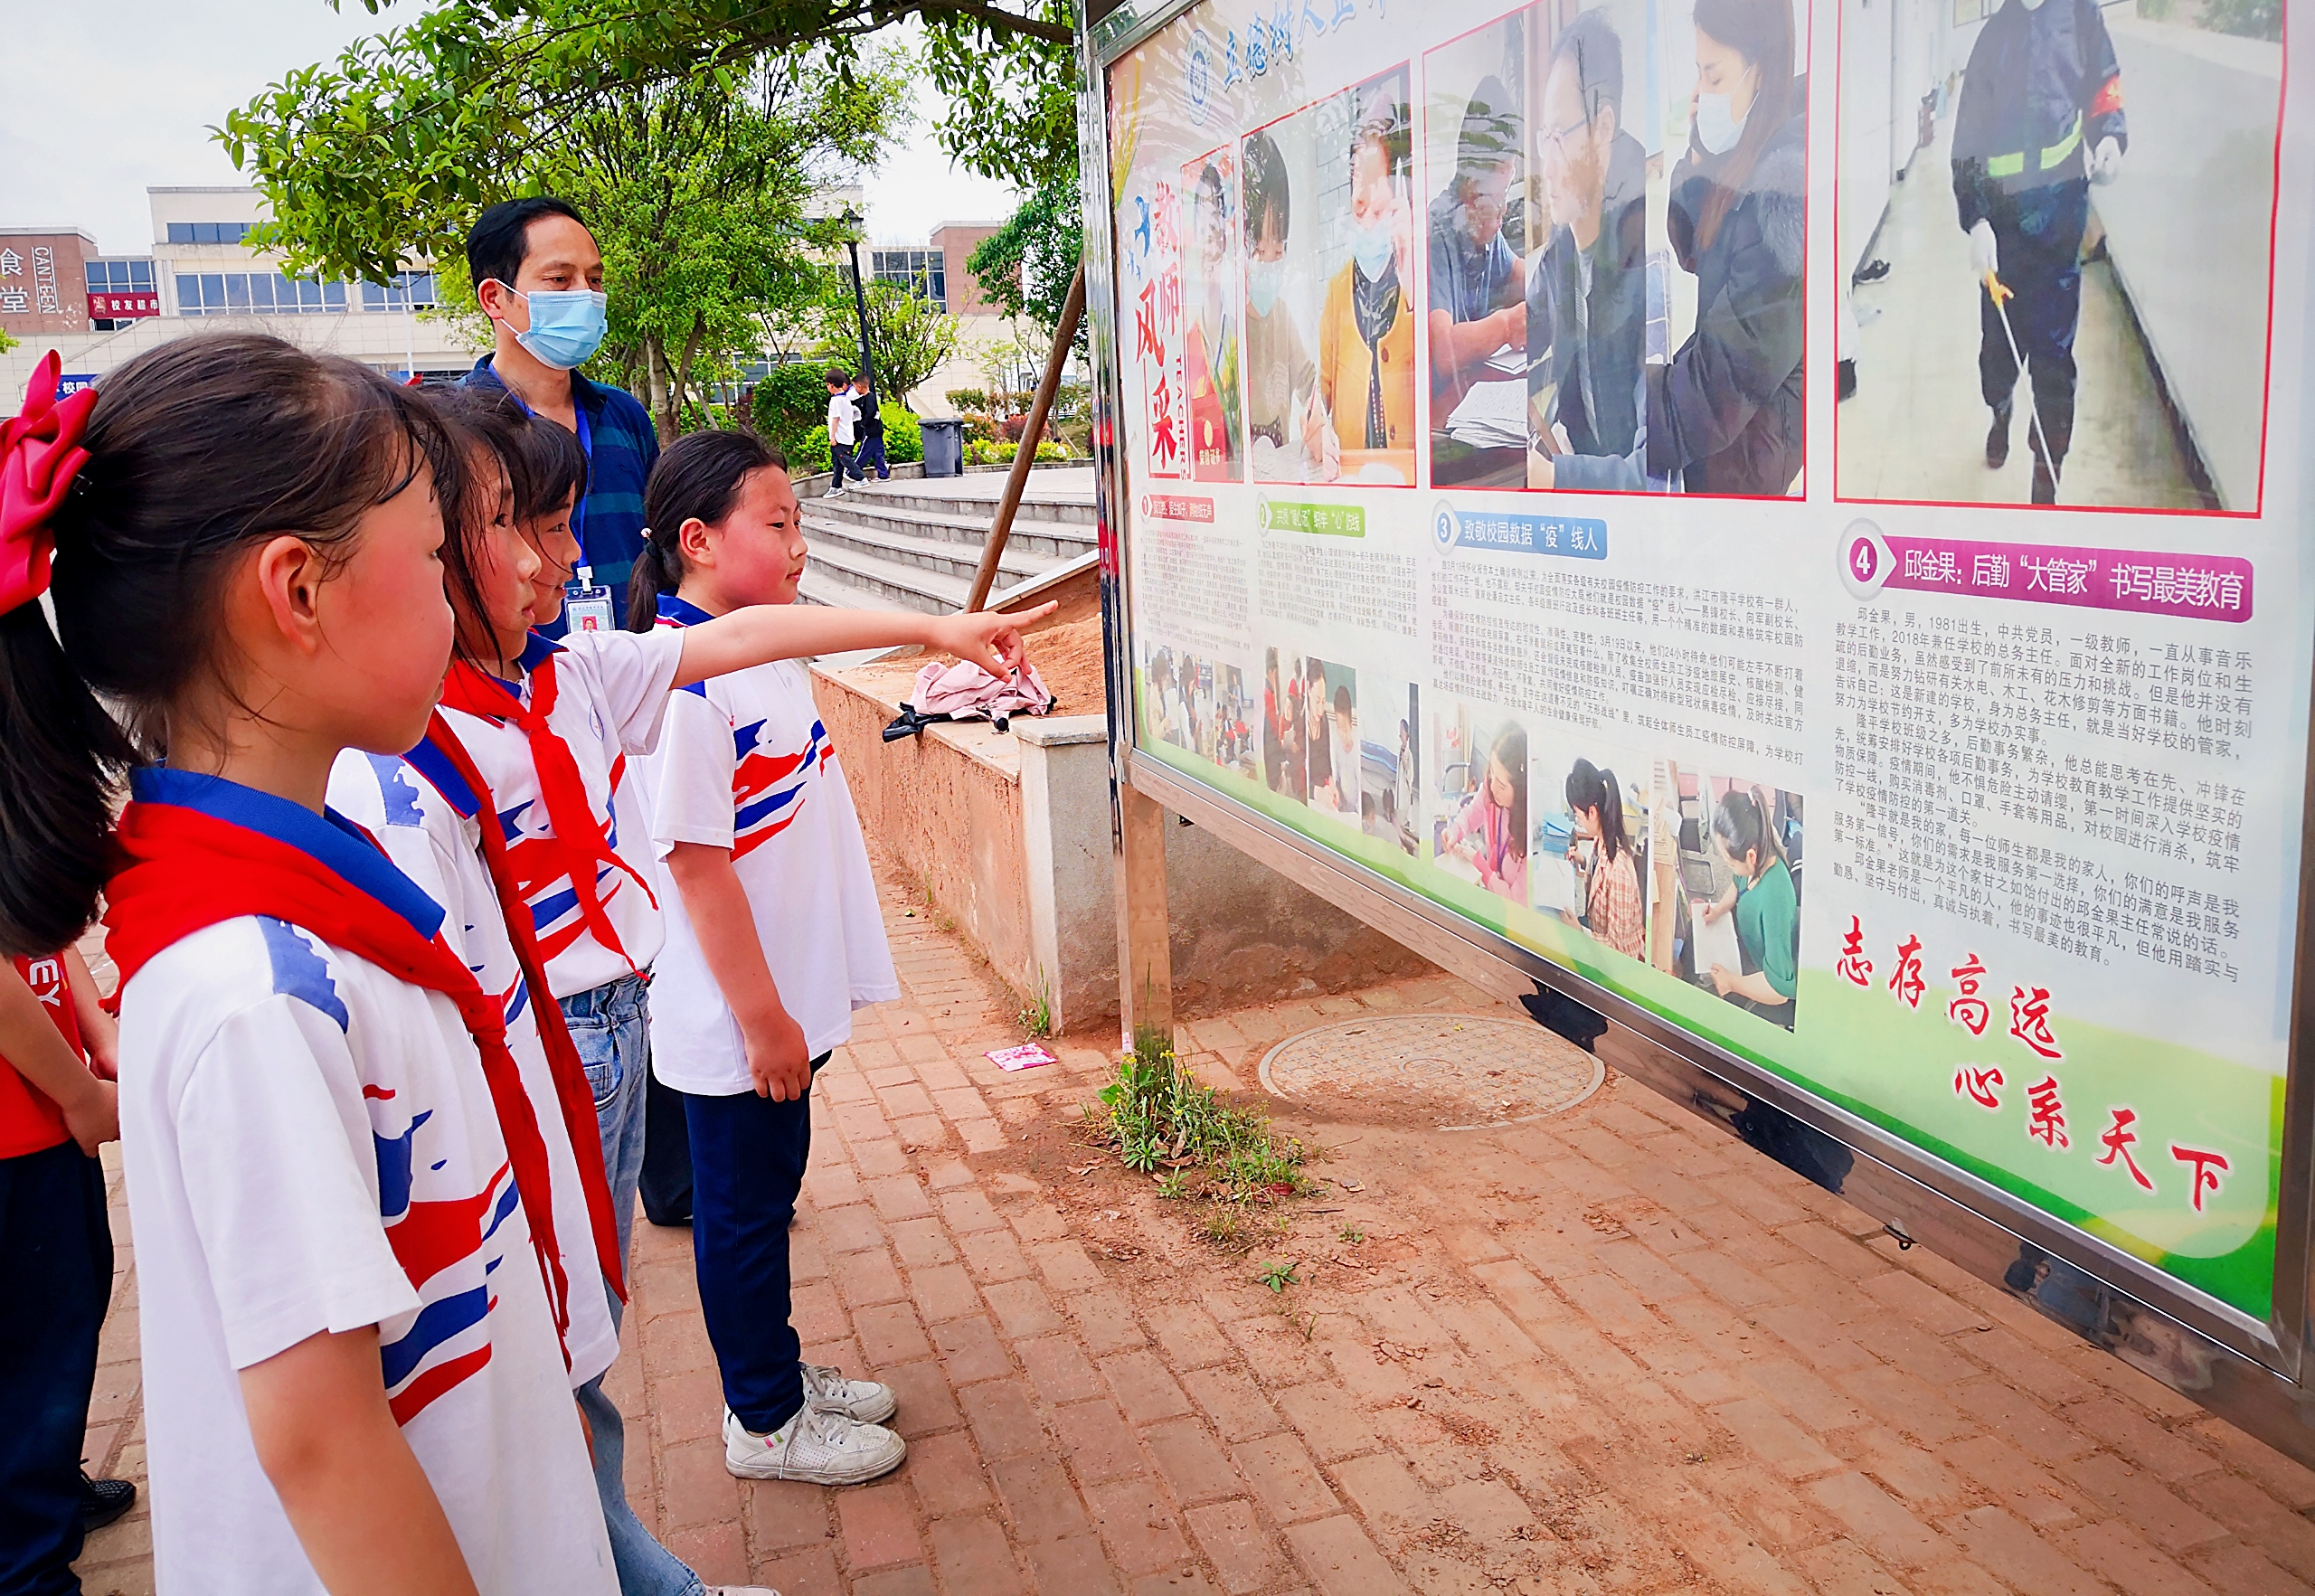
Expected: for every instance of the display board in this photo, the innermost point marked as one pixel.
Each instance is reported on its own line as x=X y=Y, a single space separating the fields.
x=1571 y=465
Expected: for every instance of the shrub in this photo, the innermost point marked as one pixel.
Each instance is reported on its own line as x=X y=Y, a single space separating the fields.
x=989 y=451
x=966 y=399
x=903 y=434
x=790 y=402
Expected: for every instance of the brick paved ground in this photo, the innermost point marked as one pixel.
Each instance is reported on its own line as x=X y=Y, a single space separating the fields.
x=1612 y=1351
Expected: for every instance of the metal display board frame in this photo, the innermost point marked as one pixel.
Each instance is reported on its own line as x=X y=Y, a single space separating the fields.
x=2254 y=1375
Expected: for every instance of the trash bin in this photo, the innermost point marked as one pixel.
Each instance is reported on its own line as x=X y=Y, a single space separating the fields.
x=944 y=446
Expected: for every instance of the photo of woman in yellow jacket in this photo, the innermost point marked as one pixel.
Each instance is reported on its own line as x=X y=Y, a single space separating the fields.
x=1362 y=424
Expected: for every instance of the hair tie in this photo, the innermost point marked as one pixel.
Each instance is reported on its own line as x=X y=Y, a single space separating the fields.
x=39 y=455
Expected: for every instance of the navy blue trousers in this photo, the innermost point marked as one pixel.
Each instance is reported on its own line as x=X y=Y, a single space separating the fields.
x=747 y=1162
x=56 y=1256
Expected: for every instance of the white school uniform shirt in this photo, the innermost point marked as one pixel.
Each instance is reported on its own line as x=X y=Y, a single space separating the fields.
x=841 y=417
x=611 y=697
x=424 y=816
x=745 y=764
x=310 y=1146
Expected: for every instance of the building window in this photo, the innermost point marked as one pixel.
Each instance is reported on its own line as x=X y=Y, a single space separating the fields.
x=920 y=271
x=409 y=290
x=120 y=277
x=256 y=293
x=209 y=233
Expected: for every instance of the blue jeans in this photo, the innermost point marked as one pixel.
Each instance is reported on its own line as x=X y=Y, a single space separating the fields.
x=56 y=1256
x=612 y=1027
x=747 y=1157
x=869 y=455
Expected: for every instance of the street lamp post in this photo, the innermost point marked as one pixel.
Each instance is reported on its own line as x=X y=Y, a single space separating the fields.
x=860 y=299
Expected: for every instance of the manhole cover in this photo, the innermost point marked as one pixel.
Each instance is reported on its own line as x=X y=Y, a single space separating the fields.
x=1456 y=1072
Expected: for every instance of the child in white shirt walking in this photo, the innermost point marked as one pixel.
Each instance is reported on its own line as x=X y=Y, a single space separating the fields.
x=843 y=418
x=773 y=939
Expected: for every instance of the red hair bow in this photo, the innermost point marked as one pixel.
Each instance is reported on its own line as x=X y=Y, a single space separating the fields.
x=40 y=454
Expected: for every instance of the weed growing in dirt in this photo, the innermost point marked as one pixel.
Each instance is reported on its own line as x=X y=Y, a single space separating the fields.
x=1279 y=1276
x=1037 y=1015
x=1225 y=1229
x=1160 y=1122
x=1350 y=1233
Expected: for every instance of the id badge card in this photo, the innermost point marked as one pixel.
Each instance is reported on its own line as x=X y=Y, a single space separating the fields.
x=587 y=609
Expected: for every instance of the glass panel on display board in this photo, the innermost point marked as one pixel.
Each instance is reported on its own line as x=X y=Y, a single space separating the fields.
x=1772 y=510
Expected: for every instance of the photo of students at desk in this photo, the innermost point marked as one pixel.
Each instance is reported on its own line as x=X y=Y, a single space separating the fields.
x=1736 y=926
x=1484 y=840
x=1476 y=226
x=1608 y=869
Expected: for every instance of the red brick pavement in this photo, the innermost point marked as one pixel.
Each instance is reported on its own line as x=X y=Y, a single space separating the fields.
x=1608 y=1352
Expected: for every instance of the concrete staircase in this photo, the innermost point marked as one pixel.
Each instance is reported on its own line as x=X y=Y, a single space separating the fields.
x=915 y=542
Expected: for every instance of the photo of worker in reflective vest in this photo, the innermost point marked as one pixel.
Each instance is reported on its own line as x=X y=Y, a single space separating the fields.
x=2040 y=120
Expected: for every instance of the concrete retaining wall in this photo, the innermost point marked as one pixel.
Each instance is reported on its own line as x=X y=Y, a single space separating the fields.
x=1008 y=833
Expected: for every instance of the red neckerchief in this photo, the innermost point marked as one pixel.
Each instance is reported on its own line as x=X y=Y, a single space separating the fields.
x=572 y=1095
x=562 y=787
x=183 y=871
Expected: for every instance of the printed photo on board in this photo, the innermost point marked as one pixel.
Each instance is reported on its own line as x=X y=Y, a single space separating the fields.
x=2057 y=220
x=1223 y=720
x=1479 y=824
x=1734 y=920
x=1285 y=734
x=1281 y=378
x=1592 y=842
x=1724 y=411
x=1164 y=705
x=1361 y=427
x=1390 y=773
x=1330 y=698
x=1587 y=284
x=1475 y=231
x=1210 y=273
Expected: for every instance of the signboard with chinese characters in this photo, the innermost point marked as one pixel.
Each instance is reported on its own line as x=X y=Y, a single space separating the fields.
x=1891 y=682
x=42 y=283
x=131 y=307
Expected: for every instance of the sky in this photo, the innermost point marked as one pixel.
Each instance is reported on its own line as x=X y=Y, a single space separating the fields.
x=128 y=105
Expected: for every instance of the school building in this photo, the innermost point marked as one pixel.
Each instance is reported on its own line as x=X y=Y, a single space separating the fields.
x=58 y=290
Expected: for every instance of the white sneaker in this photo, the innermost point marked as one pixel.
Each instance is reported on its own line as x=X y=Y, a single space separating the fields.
x=815 y=1447
x=836 y=491
x=864 y=1401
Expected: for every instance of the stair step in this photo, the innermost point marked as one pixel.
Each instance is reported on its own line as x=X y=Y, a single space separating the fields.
x=966 y=524
x=878 y=583
x=1050 y=496
x=938 y=555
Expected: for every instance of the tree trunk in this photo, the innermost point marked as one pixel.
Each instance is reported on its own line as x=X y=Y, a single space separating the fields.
x=661 y=395
x=683 y=363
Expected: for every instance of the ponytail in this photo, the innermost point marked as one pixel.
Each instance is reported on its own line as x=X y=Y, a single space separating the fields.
x=1742 y=823
x=697 y=479
x=195 y=452
x=1593 y=786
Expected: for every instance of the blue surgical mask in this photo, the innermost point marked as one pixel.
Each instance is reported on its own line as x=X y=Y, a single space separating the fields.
x=1717 y=128
x=567 y=325
x=1265 y=280
x=1371 y=246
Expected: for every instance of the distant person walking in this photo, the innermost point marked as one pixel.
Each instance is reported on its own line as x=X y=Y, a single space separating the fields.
x=843 y=421
x=539 y=277
x=870 y=432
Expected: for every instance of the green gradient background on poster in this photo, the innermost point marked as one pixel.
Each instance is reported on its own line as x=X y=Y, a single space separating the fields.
x=1893 y=1067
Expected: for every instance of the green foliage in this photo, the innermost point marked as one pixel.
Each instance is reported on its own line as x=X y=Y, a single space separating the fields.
x=909 y=336
x=690 y=150
x=1025 y=267
x=1155 y=1113
x=1173 y=1185
x=791 y=401
x=990 y=451
x=1036 y=1014
x=965 y=400
x=1279 y=1276
x=2248 y=19
x=1351 y=1234
x=904 y=441
x=811 y=454
x=1226 y=1228
x=1014 y=99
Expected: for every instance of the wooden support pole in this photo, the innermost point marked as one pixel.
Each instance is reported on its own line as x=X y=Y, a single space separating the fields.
x=1072 y=310
x=1145 y=965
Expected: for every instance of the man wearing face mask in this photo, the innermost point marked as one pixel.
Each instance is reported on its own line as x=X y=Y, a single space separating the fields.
x=1476 y=304
x=1587 y=293
x=1280 y=372
x=539 y=277
x=1365 y=416
x=2040 y=120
